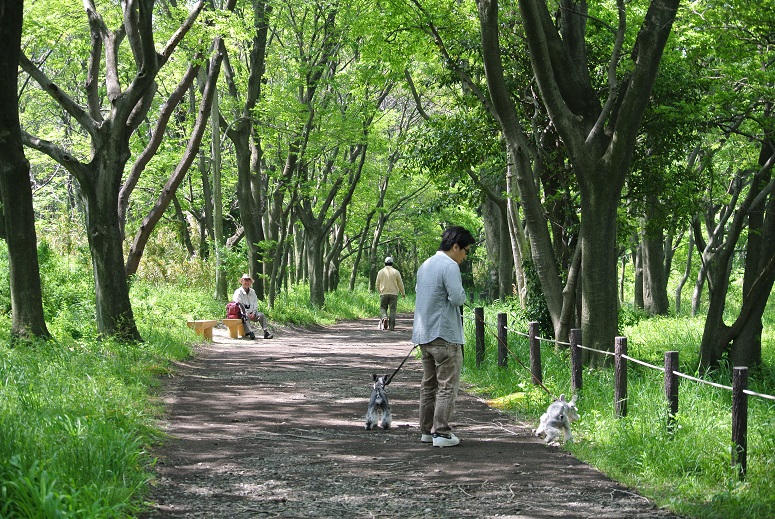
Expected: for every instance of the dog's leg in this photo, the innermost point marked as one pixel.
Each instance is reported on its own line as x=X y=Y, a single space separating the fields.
x=371 y=418
x=551 y=434
x=541 y=425
x=387 y=418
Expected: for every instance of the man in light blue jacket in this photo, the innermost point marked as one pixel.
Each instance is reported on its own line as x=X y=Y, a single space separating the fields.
x=438 y=330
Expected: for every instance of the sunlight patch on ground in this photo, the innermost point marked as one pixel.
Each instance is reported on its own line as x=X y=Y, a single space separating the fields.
x=507 y=401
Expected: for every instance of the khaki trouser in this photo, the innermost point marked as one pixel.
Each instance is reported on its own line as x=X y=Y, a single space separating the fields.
x=257 y=317
x=441 y=364
x=387 y=308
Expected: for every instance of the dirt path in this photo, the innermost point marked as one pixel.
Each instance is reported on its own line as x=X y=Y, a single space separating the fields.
x=275 y=429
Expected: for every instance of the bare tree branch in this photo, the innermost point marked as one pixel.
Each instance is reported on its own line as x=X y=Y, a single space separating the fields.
x=57 y=153
x=165 y=113
x=65 y=101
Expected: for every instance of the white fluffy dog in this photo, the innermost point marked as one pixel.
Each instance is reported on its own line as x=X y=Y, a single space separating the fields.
x=557 y=419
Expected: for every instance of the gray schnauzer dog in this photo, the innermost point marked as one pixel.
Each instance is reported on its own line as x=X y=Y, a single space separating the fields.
x=557 y=419
x=378 y=403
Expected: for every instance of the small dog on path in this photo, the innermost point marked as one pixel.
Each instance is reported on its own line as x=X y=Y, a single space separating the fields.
x=378 y=404
x=557 y=419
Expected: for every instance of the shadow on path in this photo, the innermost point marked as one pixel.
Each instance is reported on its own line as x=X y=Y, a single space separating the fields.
x=274 y=428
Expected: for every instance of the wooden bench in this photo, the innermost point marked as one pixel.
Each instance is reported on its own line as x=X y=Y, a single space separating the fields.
x=203 y=327
x=235 y=327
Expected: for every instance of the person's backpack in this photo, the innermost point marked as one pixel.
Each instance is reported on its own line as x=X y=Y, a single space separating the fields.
x=233 y=311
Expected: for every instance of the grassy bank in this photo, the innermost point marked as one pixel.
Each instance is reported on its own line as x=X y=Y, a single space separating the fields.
x=688 y=469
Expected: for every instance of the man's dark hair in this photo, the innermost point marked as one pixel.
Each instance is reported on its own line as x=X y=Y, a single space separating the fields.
x=456 y=234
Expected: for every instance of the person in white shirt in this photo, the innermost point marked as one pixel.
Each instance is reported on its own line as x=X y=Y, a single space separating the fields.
x=247 y=297
x=389 y=284
x=438 y=330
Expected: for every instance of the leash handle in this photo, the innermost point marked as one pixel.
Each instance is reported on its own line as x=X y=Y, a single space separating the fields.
x=390 y=378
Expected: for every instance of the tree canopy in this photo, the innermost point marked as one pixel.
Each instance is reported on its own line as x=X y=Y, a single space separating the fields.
x=303 y=142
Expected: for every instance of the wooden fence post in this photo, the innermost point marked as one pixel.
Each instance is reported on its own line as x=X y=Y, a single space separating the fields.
x=479 y=318
x=535 y=354
x=502 y=341
x=671 y=387
x=740 y=419
x=575 y=360
x=620 y=377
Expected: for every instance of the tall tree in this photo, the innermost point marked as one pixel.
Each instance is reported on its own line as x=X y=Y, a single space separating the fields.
x=600 y=138
x=15 y=186
x=662 y=191
x=735 y=48
x=109 y=123
x=248 y=148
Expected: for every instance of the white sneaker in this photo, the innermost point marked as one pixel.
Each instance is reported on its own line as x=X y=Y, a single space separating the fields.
x=426 y=438
x=443 y=441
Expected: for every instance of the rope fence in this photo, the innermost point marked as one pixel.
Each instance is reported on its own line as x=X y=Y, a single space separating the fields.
x=739 y=388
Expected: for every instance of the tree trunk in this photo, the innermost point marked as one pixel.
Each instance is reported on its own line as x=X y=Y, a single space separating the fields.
x=332 y=258
x=15 y=188
x=110 y=127
x=714 y=335
x=599 y=300
x=313 y=241
x=655 y=300
x=221 y=283
x=361 y=247
x=558 y=54
x=759 y=274
x=637 y=258
x=698 y=286
x=374 y=261
x=499 y=244
x=654 y=281
x=158 y=136
x=299 y=254
x=114 y=310
x=686 y=274
x=248 y=151
x=519 y=244
x=185 y=235
x=746 y=348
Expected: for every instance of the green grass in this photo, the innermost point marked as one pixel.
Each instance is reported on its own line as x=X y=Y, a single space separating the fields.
x=687 y=469
x=75 y=418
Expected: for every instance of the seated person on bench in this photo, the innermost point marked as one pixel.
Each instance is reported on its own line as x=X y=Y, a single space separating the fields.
x=247 y=297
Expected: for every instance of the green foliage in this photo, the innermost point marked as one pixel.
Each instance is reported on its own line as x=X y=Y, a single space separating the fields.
x=630 y=315
x=536 y=309
x=75 y=417
x=67 y=287
x=686 y=469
